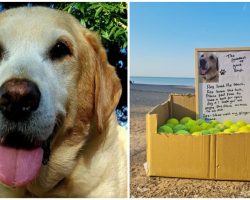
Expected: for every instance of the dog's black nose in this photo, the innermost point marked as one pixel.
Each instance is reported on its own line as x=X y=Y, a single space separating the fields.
x=18 y=98
x=203 y=63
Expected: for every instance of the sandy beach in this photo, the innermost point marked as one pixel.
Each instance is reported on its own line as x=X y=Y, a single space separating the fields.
x=142 y=99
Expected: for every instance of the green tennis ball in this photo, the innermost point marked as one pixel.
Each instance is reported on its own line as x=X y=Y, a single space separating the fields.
x=182 y=132
x=165 y=129
x=195 y=128
x=227 y=123
x=205 y=126
x=205 y=132
x=170 y=125
x=220 y=127
x=214 y=122
x=200 y=121
x=191 y=123
x=184 y=120
x=241 y=123
x=196 y=133
x=179 y=127
x=214 y=130
x=173 y=121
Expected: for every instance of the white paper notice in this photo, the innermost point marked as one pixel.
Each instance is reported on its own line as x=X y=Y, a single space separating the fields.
x=224 y=85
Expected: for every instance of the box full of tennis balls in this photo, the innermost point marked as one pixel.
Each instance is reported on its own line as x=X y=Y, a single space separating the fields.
x=179 y=145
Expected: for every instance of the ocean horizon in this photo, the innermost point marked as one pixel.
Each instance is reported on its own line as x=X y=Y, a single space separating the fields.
x=184 y=81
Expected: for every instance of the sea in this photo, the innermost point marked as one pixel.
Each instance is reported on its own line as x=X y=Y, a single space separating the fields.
x=163 y=80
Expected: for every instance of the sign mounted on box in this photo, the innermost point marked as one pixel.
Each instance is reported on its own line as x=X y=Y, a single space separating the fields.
x=223 y=84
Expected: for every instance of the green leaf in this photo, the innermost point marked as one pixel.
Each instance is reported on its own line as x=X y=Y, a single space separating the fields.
x=98 y=12
x=117 y=33
x=112 y=31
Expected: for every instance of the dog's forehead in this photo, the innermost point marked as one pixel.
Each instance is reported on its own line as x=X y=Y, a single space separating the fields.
x=34 y=23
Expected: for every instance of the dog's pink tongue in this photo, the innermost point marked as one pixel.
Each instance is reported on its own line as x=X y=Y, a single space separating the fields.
x=18 y=166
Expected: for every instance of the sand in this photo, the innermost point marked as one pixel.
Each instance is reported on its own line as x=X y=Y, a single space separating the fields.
x=142 y=99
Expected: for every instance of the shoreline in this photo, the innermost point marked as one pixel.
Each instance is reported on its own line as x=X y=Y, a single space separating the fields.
x=144 y=84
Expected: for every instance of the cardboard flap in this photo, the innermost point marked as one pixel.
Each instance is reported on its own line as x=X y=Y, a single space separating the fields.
x=182 y=105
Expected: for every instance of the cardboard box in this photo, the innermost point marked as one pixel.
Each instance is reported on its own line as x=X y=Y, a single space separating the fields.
x=220 y=157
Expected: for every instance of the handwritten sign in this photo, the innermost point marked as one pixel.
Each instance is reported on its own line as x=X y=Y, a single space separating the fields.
x=223 y=84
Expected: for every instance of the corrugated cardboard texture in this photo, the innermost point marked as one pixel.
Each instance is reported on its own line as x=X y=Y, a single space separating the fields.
x=233 y=156
x=225 y=157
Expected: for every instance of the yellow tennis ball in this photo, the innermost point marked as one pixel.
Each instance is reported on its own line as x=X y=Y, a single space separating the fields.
x=197 y=133
x=244 y=129
x=228 y=131
x=227 y=123
x=241 y=123
x=234 y=127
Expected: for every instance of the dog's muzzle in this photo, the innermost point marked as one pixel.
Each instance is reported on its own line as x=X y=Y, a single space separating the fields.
x=21 y=154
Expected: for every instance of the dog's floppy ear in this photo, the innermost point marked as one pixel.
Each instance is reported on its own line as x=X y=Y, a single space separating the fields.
x=107 y=84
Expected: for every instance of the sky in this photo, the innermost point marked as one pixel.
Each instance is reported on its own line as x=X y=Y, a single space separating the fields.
x=163 y=36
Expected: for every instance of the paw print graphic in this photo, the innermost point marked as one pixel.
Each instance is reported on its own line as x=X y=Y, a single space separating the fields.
x=222 y=72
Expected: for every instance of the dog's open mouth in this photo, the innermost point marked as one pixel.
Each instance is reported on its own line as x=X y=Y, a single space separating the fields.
x=21 y=159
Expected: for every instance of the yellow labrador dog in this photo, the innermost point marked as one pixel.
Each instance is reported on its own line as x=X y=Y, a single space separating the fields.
x=208 y=68
x=59 y=136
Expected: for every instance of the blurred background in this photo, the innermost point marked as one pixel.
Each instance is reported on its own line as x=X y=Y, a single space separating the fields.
x=109 y=20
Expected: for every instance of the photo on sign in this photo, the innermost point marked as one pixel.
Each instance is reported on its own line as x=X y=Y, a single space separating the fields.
x=208 y=67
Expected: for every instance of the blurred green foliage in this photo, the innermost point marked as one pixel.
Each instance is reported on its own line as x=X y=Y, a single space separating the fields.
x=108 y=19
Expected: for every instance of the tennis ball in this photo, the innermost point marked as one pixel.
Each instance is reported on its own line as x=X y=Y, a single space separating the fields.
x=173 y=121
x=234 y=127
x=220 y=127
x=214 y=130
x=244 y=129
x=179 y=127
x=228 y=131
x=184 y=120
x=195 y=128
x=214 y=122
x=205 y=132
x=196 y=133
x=200 y=121
x=227 y=123
x=182 y=132
x=241 y=123
x=205 y=126
x=191 y=123
x=248 y=125
x=165 y=129
x=170 y=125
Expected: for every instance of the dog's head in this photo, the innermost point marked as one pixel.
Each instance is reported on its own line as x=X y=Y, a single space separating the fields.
x=208 y=65
x=55 y=82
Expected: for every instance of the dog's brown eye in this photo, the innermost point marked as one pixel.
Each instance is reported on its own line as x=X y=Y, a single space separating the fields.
x=60 y=50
